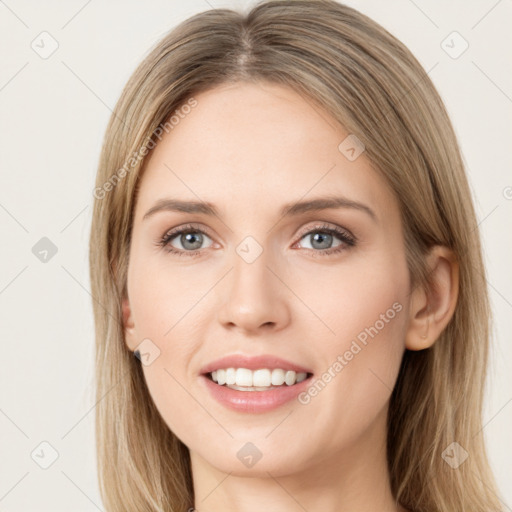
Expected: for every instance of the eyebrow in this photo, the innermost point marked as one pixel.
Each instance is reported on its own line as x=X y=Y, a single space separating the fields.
x=288 y=210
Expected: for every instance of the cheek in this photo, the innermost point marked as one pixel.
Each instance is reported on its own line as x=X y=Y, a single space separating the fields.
x=350 y=297
x=366 y=308
x=167 y=312
x=162 y=296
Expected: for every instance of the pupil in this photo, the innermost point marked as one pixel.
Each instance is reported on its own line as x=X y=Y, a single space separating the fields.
x=188 y=237
x=324 y=236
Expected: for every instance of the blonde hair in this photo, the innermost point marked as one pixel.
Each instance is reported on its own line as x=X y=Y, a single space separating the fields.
x=341 y=61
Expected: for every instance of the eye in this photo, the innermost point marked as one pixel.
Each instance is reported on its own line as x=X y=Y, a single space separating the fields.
x=321 y=239
x=189 y=237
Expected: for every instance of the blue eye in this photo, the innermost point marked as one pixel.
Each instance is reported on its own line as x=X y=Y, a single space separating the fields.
x=322 y=237
x=191 y=238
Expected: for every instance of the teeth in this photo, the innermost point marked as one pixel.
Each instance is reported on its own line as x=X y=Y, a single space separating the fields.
x=243 y=377
x=278 y=377
x=221 y=377
x=230 y=376
x=257 y=380
x=261 y=378
x=301 y=376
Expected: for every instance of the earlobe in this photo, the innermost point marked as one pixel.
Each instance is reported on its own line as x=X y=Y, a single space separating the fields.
x=128 y=324
x=432 y=308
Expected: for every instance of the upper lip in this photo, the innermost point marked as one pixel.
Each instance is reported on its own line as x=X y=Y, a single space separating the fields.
x=253 y=363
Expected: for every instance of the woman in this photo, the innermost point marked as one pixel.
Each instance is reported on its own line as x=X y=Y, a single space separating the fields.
x=322 y=344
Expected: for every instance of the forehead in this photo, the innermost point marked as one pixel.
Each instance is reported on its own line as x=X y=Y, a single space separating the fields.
x=255 y=144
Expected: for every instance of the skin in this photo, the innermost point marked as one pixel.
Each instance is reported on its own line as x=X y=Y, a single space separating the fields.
x=250 y=149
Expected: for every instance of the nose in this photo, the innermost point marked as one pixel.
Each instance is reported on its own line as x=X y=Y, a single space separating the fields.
x=254 y=297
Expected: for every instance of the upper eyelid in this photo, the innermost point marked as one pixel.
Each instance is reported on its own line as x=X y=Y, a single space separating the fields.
x=327 y=226
x=171 y=233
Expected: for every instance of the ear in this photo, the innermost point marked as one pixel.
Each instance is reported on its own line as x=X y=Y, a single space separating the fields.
x=128 y=325
x=431 y=309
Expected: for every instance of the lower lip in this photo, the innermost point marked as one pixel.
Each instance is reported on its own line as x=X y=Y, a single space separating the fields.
x=254 y=401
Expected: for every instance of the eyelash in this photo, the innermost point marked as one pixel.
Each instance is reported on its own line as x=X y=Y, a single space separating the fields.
x=347 y=239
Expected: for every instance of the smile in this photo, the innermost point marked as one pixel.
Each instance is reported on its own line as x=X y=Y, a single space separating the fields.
x=243 y=379
x=279 y=388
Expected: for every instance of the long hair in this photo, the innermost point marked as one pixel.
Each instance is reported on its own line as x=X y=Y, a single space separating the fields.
x=340 y=61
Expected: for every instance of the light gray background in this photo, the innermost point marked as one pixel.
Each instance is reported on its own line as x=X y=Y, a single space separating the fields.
x=53 y=114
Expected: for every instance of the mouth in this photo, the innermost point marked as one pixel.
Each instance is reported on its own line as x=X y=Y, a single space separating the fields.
x=260 y=380
x=254 y=383
x=259 y=391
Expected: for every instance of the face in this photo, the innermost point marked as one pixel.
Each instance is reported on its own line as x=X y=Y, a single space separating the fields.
x=323 y=289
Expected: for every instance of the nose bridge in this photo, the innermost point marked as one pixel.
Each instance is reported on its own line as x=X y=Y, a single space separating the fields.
x=253 y=298
x=250 y=272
